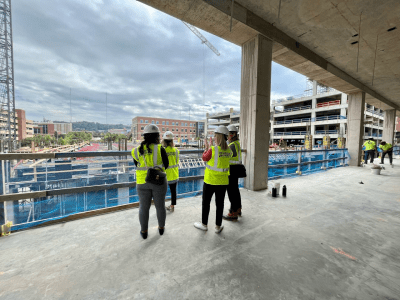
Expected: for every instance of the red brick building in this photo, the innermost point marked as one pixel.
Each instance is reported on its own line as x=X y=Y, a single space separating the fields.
x=21 y=121
x=182 y=129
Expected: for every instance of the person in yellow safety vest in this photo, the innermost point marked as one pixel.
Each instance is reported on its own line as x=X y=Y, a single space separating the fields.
x=233 y=187
x=215 y=177
x=173 y=169
x=369 y=150
x=150 y=154
x=387 y=148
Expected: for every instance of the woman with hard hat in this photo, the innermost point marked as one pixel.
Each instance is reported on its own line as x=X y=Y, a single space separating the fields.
x=173 y=169
x=215 y=177
x=150 y=154
x=233 y=187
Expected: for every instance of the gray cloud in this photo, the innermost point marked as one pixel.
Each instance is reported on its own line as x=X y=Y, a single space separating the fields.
x=148 y=63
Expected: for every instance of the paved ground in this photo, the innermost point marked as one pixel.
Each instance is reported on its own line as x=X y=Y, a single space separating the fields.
x=331 y=238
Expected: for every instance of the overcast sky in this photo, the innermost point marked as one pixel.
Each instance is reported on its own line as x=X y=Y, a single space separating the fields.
x=141 y=61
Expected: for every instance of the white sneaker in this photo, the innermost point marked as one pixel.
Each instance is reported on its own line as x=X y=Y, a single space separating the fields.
x=200 y=226
x=218 y=229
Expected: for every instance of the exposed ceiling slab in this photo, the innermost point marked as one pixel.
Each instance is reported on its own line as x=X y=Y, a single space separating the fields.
x=342 y=44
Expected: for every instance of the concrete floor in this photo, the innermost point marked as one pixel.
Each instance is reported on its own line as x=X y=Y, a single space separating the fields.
x=331 y=238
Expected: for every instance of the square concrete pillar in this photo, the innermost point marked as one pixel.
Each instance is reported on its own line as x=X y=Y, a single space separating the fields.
x=389 y=124
x=255 y=110
x=355 y=127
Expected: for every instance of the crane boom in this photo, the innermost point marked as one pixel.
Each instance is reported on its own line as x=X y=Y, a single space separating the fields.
x=202 y=38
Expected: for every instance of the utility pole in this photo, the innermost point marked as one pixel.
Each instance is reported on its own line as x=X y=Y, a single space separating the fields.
x=70 y=106
x=106 y=115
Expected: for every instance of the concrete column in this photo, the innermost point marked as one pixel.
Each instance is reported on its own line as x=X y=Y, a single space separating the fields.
x=314 y=87
x=255 y=109
x=389 y=124
x=355 y=127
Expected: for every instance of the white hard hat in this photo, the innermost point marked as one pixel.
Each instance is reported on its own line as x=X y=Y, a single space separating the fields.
x=168 y=135
x=232 y=128
x=151 y=129
x=222 y=129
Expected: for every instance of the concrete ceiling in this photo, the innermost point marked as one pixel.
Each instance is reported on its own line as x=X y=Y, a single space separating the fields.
x=342 y=44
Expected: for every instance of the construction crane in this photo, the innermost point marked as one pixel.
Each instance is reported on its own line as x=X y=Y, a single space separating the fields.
x=201 y=37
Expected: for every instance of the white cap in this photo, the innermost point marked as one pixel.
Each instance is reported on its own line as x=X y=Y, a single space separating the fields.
x=151 y=129
x=222 y=129
x=168 y=135
x=232 y=128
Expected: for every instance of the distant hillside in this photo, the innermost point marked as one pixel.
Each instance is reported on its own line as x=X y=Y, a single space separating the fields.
x=92 y=126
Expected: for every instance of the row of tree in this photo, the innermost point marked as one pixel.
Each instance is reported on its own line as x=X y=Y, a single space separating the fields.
x=115 y=137
x=64 y=139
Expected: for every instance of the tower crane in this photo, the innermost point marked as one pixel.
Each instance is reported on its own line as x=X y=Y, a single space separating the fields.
x=202 y=38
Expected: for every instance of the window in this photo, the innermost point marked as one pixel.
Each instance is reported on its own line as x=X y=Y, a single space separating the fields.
x=163 y=122
x=167 y=128
x=182 y=124
x=152 y=122
x=168 y=123
x=173 y=129
x=190 y=130
x=157 y=122
x=147 y=121
x=173 y=123
x=141 y=121
x=142 y=128
x=185 y=124
x=163 y=129
x=185 y=130
x=191 y=125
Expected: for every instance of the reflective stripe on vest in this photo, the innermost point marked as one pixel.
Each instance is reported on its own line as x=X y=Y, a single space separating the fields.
x=236 y=160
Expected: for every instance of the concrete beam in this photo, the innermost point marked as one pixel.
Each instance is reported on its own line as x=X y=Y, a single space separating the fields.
x=355 y=127
x=389 y=124
x=255 y=110
x=255 y=22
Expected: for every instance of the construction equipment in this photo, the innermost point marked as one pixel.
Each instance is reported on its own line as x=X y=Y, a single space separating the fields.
x=202 y=38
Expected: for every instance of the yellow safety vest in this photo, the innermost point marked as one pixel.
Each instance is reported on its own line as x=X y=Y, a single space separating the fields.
x=385 y=147
x=236 y=160
x=173 y=168
x=217 y=168
x=153 y=159
x=369 y=145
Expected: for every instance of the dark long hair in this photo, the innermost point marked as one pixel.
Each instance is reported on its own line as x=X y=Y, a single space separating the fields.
x=149 y=138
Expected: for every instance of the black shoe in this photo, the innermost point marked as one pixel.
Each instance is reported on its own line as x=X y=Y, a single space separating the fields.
x=143 y=234
x=161 y=231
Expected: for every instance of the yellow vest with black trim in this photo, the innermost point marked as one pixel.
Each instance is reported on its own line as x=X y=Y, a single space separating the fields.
x=217 y=168
x=385 y=147
x=152 y=159
x=173 y=168
x=236 y=160
x=369 y=145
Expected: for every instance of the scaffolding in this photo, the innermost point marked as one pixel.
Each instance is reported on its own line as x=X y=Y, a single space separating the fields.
x=8 y=133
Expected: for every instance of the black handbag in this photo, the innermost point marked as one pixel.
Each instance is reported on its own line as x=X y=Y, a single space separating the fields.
x=238 y=171
x=155 y=176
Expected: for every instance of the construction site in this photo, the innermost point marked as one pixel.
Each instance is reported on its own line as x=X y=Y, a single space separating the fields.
x=69 y=213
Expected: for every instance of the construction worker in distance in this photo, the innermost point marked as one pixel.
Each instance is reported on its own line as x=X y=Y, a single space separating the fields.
x=216 y=177
x=233 y=187
x=173 y=169
x=369 y=150
x=387 y=148
x=150 y=154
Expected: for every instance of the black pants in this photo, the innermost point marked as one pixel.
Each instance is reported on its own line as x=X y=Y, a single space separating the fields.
x=172 y=188
x=208 y=192
x=390 y=153
x=234 y=194
x=369 y=153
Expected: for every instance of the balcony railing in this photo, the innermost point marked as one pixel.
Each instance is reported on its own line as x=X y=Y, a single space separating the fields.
x=49 y=187
x=292 y=121
x=329 y=103
x=290 y=133
x=374 y=112
x=329 y=118
x=294 y=109
x=326 y=132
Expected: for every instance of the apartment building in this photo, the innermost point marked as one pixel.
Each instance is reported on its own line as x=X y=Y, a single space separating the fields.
x=182 y=129
x=4 y=133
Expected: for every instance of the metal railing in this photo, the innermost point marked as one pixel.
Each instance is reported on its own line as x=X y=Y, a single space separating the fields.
x=290 y=133
x=329 y=118
x=66 y=186
x=294 y=109
x=305 y=120
x=329 y=103
x=374 y=112
x=326 y=132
